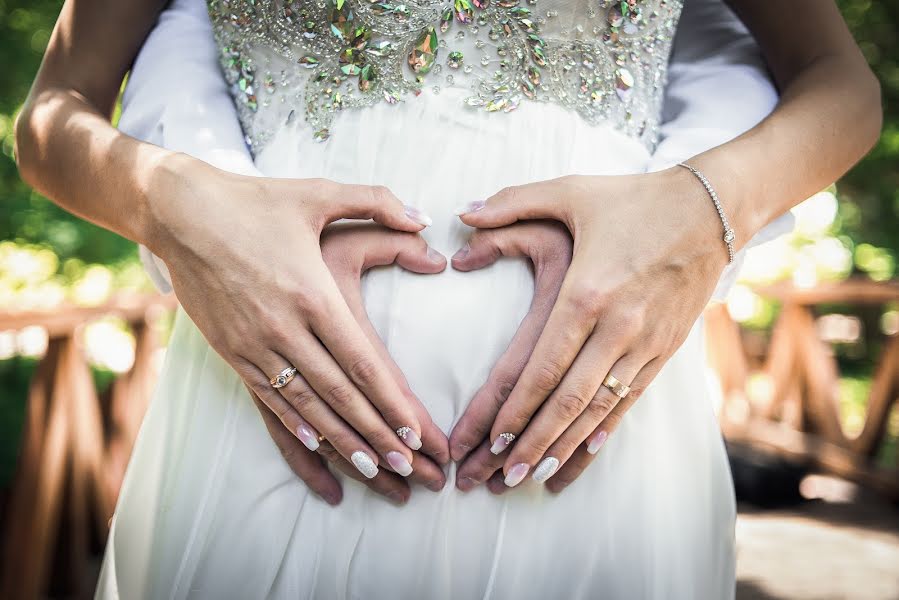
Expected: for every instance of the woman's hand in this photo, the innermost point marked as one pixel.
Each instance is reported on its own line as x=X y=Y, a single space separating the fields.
x=548 y=245
x=349 y=250
x=246 y=264
x=647 y=256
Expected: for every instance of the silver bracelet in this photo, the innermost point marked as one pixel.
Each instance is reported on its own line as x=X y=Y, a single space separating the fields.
x=729 y=235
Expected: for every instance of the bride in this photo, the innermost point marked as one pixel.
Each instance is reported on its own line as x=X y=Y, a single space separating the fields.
x=525 y=139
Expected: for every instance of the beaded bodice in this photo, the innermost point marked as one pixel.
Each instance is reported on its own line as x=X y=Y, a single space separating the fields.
x=312 y=59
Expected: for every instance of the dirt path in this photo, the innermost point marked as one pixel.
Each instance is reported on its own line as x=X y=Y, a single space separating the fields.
x=847 y=550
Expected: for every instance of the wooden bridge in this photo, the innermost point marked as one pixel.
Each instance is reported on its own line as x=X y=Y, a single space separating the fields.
x=76 y=443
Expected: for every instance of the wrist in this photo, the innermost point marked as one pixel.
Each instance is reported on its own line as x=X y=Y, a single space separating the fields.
x=700 y=230
x=162 y=190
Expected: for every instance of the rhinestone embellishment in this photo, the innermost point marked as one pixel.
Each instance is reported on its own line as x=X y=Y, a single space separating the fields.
x=608 y=62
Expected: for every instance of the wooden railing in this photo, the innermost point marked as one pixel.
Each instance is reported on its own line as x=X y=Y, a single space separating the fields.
x=74 y=449
x=796 y=414
x=75 y=444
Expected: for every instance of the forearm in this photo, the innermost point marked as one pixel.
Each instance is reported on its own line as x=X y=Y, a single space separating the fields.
x=70 y=152
x=828 y=117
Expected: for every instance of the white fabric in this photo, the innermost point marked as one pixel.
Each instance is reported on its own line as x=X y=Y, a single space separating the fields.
x=209 y=508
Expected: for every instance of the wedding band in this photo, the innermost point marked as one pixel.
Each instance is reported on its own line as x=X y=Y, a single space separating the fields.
x=283 y=378
x=618 y=388
x=321 y=438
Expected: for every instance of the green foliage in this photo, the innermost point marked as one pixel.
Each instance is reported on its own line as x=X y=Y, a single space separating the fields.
x=869 y=194
x=26 y=216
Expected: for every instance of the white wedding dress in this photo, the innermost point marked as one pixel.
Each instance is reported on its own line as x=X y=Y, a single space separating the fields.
x=209 y=508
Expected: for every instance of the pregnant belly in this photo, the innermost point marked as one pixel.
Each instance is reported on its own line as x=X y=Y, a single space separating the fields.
x=446 y=331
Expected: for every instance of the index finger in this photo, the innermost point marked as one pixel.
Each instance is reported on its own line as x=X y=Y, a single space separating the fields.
x=337 y=328
x=569 y=325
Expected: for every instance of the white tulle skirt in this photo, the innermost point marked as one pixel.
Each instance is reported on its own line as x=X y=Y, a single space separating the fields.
x=209 y=509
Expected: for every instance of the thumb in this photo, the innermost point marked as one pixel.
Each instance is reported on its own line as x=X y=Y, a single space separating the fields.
x=539 y=200
x=376 y=202
x=407 y=250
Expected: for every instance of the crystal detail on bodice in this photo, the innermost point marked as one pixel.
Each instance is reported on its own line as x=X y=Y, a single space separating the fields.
x=605 y=59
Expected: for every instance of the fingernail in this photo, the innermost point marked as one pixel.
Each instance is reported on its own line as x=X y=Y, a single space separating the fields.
x=516 y=474
x=434 y=256
x=546 y=469
x=436 y=486
x=417 y=215
x=465 y=483
x=502 y=442
x=399 y=463
x=596 y=443
x=470 y=208
x=459 y=451
x=409 y=437
x=309 y=439
x=462 y=252
x=332 y=499
x=364 y=463
x=397 y=496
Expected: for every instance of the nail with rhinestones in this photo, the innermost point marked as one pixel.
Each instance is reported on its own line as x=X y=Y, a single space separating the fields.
x=516 y=474
x=418 y=216
x=502 y=442
x=364 y=463
x=596 y=443
x=409 y=437
x=470 y=208
x=308 y=437
x=546 y=469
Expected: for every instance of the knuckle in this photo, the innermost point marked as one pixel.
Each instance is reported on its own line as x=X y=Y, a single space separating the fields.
x=632 y=322
x=302 y=399
x=507 y=194
x=547 y=377
x=380 y=194
x=340 y=397
x=603 y=403
x=364 y=371
x=379 y=438
x=502 y=390
x=587 y=298
x=570 y=404
x=329 y=453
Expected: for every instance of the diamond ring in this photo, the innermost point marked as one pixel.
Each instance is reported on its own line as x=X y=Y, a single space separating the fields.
x=283 y=378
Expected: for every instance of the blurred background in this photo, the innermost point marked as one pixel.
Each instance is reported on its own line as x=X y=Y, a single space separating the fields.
x=804 y=358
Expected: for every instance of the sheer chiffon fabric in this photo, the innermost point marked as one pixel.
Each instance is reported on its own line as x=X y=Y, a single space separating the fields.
x=210 y=509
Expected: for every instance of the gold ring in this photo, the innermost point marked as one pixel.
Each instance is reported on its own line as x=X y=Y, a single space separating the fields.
x=618 y=388
x=283 y=378
x=321 y=438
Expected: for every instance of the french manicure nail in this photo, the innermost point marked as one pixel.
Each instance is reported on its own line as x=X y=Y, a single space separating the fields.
x=516 y=474
x=364 y=463
x=470 y=208
x=596 y=443
x=462 y=252
x=399 y=463
x=418 y=216
x=546 y=469
x=309 y=439
x=502 y=442
x=409 y=437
